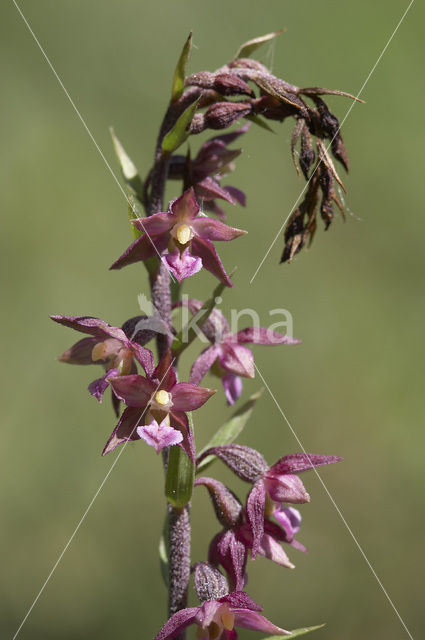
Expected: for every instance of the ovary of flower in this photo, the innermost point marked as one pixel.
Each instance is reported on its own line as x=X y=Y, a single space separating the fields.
x=162 y=397
x=183 y=233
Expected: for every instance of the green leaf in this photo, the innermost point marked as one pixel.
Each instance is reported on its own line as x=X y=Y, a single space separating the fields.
x=249 y=47
x=180 y=132
x=187 y=335
x=175 y=287
x=180 y=475
x=296 y=632
x=230 y=430
x=179 y=481
x=163 y=552
x=259 y=122
x=180 y=72
x=128 y=168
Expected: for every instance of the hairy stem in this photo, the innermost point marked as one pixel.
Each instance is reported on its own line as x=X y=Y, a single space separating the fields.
x=178 y=521
x=179 y=559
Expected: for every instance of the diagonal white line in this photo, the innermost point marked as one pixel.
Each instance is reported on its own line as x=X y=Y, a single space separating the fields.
x=83 y=517
x=327 y=149
x=347 y=526
x=85 y=126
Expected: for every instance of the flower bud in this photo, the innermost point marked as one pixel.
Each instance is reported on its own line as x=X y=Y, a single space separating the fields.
x=141 y=336
x=226 y=84
x=210 y=584
x=227 y=507
x=247 y=463
x=223 y=114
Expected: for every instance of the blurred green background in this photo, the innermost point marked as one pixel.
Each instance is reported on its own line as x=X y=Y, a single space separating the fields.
x=352 y=388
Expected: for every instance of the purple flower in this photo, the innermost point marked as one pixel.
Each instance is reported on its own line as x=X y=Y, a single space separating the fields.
x=213 y=162
x=151 y=400
x=230 y=547
x=108 y=346
x=289 y=519
x=278 y=483
x=183 y=239
x=228 y=357
x=217 y=619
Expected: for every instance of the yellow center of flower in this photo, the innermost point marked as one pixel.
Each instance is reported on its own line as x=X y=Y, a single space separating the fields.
x=183 y=233
x=162 y=397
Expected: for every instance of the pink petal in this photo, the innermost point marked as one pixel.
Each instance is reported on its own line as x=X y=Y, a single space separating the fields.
x=209 y=189
x=255 y=514
x=164 y=372
x=203 y=364
x=156 y=224
x=182 y=266
x=261 y=335
x=93 y=326
x=160 y=435
x=296 y=462
x=109 y=347
x=185 y=207
x=252 y=620
x=289 y=519
x=80 y=352
x=206 y=614
x=272 y=549
x=286 y=488
x=233 y=387
x=210 y=259
x=187 y=396
x=177 y=623
x=144 y=356
x=125 y=430
x=240 y=599
x=237 y=359
x=98 y=387
x=134 y=390
x=141 y=249
x=210 y=229
x=236 y=194
x=230 y=552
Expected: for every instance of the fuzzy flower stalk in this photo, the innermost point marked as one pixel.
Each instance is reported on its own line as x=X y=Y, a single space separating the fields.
x=156 y=409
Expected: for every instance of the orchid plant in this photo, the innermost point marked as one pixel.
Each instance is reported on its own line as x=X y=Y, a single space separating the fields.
x=152 y=405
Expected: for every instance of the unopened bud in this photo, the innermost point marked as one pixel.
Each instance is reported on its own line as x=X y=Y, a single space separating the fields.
x=247 y=463
x=223 y=114
x=210 y=584
x=227 y=506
